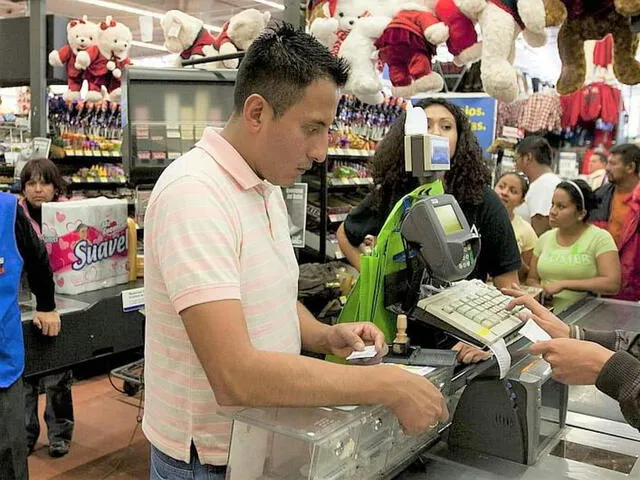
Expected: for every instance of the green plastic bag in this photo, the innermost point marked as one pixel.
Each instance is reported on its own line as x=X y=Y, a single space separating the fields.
x=366 y=301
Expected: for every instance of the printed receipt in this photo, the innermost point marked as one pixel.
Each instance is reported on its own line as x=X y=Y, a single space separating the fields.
x=499 y=349
x=533 y=332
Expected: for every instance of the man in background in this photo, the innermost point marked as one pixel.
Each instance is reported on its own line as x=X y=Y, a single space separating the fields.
x=597 y=169
x=619 y=213
x=534 y=158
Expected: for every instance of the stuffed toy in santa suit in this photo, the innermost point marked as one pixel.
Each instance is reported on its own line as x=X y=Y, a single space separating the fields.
x=404 y=48
x=81 y=35
x=463 y=40
x=204 y=39
x=103 y=63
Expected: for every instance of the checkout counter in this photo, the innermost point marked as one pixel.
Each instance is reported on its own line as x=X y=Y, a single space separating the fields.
x=508 y=419
x=94 y=325
x=595 y=443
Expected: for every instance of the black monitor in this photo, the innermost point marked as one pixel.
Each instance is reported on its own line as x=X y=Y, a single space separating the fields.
x=165 y=111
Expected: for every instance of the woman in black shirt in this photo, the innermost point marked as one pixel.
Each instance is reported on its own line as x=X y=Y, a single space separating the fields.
x=468 y=181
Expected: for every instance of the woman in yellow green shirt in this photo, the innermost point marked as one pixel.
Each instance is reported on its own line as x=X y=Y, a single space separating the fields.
x=574 y=258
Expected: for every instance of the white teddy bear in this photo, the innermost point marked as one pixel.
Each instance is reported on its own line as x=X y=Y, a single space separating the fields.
x=340 y=17
x=501 y=21
x=103 y=63
x=81 y=34
x=186 y=36
x=239 y=33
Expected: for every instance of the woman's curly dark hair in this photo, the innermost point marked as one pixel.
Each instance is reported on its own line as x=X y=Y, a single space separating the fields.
x=465 y=181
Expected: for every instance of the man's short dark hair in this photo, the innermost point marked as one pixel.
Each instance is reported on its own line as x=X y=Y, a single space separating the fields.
x=536 y=146
x=281 y=63
x=629 y=153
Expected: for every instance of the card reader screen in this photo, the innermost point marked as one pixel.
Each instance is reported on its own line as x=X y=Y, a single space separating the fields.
x=448 y=219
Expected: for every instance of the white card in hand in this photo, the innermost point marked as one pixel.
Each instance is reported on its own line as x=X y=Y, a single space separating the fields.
x=533 y=332
x=368 y=352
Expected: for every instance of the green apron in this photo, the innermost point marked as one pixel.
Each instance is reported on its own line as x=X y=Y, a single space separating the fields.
x=366 y=301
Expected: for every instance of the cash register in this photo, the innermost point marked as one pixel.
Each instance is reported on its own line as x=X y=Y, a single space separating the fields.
x=447 y=247
x=514 y=418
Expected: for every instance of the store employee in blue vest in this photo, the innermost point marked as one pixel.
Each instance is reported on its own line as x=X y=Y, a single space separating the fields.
x=19 y=247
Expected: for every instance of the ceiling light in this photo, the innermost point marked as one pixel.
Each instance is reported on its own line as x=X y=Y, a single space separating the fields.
x=268 y=3
x=140 y=11
x=152 y=46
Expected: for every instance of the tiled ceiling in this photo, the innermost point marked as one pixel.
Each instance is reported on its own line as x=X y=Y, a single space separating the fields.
x=211 y=12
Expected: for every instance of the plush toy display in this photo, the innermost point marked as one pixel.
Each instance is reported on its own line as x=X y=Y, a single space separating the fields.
x=463 y=40
x=501 y=22
x=339 y=18
x=186 y=36
x=403 y=36
x=586 y=20
x=240 y=32
x=103 y=63
x=81 y=34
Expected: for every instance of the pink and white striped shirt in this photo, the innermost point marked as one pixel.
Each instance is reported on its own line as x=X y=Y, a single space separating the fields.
x=213 y=231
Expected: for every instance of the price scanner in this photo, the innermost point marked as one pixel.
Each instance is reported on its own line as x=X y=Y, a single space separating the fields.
x=438 y=230
x=447 y=247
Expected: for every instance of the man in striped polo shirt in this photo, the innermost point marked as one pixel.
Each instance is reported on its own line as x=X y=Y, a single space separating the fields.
x=223 y=323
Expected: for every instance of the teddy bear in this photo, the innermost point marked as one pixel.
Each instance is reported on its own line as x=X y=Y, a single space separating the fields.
x=186 y=36
x=103 y=63
x=81 y=34
x=339 y=18
x=587 y=20
x=463 y=40
x=239 y=32
x=501 y=21
x=402 y=35
x=359 y=50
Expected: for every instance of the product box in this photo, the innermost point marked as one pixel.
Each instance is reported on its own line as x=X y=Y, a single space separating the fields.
x=324 y=443
x=87 y=243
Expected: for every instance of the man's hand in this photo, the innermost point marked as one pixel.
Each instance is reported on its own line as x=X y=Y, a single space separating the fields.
x=469 y=354
x=47 y=322
x=417 y=403
x=345 y=338
x=542 y=316
x=574 y=362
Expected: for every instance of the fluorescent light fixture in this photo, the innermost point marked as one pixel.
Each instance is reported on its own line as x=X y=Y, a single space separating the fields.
x=140 y=11
x=152 y=46
x=271 y=4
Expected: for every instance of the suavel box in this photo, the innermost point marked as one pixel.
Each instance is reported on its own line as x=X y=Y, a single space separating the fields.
x=325 y=443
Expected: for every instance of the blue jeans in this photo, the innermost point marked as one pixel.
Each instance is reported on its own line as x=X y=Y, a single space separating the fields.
x=58 y=413
x=164 y=467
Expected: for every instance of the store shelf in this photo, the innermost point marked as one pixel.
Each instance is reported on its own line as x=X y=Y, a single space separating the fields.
x=350 y=152
x=6 y=170
x=96 y=184
x=312 y=240
x=91 y=154
x=335 y=183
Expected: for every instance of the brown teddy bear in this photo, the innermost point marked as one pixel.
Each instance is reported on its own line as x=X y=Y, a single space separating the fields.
x=589 y=20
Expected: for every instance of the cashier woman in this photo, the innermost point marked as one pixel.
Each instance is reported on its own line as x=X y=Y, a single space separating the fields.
x=610 y=360
x=468 y=181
